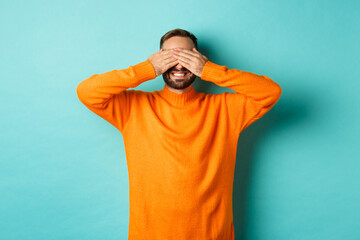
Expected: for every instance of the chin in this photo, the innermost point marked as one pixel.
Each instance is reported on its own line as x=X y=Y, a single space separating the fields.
x=171 y=82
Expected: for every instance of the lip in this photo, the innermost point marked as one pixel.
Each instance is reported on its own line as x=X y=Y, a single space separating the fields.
x=185 y=76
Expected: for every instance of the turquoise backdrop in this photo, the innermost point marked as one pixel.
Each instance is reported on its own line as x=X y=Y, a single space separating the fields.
x=63 y=172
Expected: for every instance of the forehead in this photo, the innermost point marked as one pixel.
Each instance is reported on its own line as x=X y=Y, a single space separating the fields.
x=178 y=42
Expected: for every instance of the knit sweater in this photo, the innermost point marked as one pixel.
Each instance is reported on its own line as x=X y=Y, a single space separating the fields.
x=180 y=148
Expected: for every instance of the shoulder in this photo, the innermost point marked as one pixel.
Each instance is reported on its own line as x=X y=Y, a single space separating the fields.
x=137 y=93
x=224 y=98
x=218 y=96
x=132 y=95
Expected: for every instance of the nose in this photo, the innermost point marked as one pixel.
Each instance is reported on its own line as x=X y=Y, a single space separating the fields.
x=178 y=66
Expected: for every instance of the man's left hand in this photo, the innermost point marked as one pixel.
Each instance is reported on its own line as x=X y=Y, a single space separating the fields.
x=191 y=59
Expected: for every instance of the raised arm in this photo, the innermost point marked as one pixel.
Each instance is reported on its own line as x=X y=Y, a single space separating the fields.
x=106 y=94
x=254 y=94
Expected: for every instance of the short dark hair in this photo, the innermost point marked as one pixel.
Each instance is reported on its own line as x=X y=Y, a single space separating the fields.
x=178 y=32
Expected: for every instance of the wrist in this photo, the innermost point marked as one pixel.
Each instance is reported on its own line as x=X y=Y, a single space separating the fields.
x=144 y=71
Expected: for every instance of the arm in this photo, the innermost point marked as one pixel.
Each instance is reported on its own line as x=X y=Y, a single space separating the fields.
x=254 y=94
x=105 y=95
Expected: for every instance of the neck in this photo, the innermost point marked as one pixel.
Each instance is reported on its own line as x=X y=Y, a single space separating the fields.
x=178 y=99
x=178 y=91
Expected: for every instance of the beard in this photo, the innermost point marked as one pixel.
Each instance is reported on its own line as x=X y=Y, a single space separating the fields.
x=178 y=83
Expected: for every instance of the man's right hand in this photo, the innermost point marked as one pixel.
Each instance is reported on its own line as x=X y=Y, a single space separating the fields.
x=162 y=60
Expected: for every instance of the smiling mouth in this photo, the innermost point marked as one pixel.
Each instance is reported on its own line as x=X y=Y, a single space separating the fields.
x=180 y=75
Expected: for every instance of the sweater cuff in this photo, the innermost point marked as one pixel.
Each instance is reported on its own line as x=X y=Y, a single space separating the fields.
x=212 y=71
x=144 y=71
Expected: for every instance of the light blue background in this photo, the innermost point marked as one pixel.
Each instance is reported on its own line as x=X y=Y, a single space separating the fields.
x=63 y=172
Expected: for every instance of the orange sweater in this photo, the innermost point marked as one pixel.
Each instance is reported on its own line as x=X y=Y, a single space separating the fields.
x=180 y=148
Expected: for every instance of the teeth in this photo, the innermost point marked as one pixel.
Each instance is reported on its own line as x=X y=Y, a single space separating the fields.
x=178 y=74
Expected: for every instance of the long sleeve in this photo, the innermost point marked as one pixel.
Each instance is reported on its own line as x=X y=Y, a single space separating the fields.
x=105 y=94
x=254 y=94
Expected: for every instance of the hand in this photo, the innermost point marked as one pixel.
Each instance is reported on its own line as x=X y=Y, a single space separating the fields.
x=191 y=59
x=162 y=60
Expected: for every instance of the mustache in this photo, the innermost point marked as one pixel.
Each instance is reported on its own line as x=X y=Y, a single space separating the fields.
x=178 y=70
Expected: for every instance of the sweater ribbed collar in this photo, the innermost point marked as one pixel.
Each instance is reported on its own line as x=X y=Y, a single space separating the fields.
x=179 y=99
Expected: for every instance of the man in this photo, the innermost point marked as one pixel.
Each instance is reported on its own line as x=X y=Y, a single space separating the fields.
x=180 y=144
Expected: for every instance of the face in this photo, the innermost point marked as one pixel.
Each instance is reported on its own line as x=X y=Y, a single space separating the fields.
x=178 y=82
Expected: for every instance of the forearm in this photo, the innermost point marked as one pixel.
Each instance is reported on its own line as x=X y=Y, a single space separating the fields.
x=258 y=88
x=96 y=90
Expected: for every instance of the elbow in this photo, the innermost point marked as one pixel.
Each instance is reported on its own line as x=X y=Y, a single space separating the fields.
x=79 y=91
x=276 y=93
x=82 y=93
x=276 y=90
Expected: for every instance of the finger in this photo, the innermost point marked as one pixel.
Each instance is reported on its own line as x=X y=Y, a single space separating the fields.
x=183 y=53
x=165 y=52
x=171 y=64
x=170 y=59
x=185 y=64
x=168 y=53
x=170 y=56
x=199 y=54
x=195 y=50
x=184 y=56
x=190 y=52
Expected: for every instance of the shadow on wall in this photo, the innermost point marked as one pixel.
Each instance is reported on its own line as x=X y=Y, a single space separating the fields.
x=281 y=115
